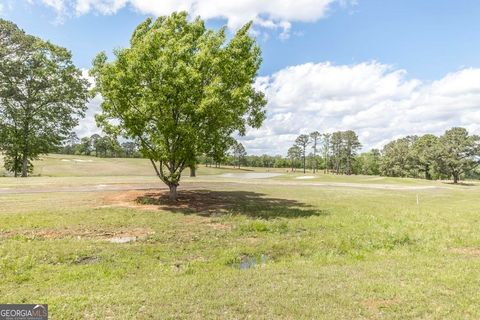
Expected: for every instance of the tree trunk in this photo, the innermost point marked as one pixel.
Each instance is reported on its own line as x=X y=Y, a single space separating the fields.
x=314 y=159
x=173 y=192
x=24 y=164
x=192 y=171
x=15 y=166
x=427 y=173
x=303 y=162
x=455 y=178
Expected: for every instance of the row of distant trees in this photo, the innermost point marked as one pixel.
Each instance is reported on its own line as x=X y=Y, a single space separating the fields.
x=99 y=146
x=336 y=151
x=453 y=155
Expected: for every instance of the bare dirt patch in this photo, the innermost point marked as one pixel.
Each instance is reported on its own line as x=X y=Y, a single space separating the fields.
x=469 y=251
x=95 y=234
x=87 y=260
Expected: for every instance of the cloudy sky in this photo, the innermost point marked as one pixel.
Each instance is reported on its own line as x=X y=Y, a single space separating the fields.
x=382 y=68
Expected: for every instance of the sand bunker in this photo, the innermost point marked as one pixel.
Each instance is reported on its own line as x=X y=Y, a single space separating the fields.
x=305 y=177
x=250 y=175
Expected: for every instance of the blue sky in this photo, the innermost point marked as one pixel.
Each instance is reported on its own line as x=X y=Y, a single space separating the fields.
x=328 y=64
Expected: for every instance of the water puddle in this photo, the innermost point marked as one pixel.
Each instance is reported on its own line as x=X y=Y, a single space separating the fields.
x=249 y=262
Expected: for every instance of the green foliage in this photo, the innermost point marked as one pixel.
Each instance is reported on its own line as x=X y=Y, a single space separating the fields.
x=294 y=153
x=239 y=153
x=343 y=147
x=458 y=153
x=12 y=162
x=42 y=95
x=368 y=163
x=397 y=160
x=425 y=154
x=452 y=155
x=180 y=90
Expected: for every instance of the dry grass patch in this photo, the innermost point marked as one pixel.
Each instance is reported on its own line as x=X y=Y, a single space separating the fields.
x=469 y=251
x=92 y=234
x=377 y=305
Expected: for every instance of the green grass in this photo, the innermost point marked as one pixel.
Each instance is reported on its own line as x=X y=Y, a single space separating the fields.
x=320 y=252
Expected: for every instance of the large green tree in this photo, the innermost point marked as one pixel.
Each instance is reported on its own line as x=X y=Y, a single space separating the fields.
x=42 y=95
x=180 y=90
x=458 y=153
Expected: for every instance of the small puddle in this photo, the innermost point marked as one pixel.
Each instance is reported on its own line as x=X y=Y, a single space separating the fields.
x=248 y=262
x=122 y=239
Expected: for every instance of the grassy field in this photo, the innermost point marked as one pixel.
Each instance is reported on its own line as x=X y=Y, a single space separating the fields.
x=325 y=247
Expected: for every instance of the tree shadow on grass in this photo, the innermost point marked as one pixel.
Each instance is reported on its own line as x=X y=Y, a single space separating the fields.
x=216 y=203
x=464 y=184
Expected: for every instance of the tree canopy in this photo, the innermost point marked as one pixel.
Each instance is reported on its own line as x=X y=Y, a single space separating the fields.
x=180 y=90
x=42 y=96
x=458 y=153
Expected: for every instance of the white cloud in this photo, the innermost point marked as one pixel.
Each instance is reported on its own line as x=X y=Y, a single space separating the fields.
x=102 y=6
x=277 y=14
x=6 y=7
x=87 y=125
x=378 y=102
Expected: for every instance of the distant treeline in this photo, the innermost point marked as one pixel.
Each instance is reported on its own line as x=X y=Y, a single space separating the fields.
x=454 y=155
x=99 y=146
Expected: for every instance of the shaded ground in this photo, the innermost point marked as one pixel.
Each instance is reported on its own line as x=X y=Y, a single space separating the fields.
x=216 y=203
